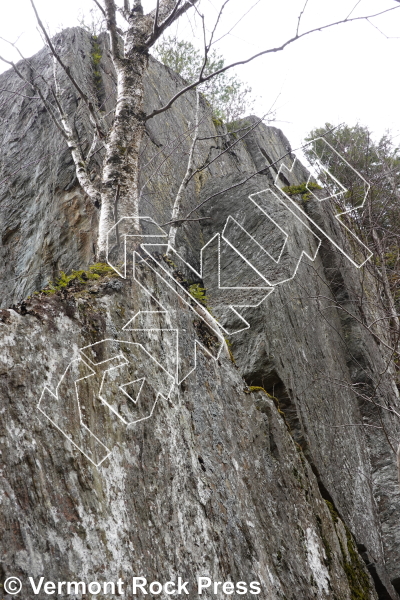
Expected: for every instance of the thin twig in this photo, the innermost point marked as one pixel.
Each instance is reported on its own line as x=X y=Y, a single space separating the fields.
x=155 y=26
x=300 y=15
x=19 y=94
x=262 y=53
x=237 y=22
x=228 y=148
x=67 y=71
x=177 y=12
x=246 y=179
x=353 y=9
x=100 y=7
x=212 y=137
x=47 y=104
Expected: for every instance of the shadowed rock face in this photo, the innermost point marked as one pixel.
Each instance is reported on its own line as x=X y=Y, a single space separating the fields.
x=294 y=486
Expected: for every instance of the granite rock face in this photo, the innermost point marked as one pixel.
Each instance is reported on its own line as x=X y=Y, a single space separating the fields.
x=277 y=468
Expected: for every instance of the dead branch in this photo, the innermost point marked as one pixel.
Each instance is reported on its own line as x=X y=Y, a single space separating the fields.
x=228 y=148
x=46 y=103
x=188 y=175
x=262 y=53
x=99 y=6
x=14 y=93
x=300 y=16
x=67 y=71
x=178 y=10
x=111 y=16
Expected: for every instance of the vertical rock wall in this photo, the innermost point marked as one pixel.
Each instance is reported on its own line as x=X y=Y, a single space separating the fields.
x=292 y=485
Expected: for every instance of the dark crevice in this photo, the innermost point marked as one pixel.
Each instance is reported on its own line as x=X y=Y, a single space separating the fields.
x=396 y=584
x=286 y=405
x=380 y=588
x=271 y=167
x=284 y=180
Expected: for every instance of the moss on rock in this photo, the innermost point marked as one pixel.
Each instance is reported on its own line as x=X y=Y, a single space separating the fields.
x=96 y=271
x=303 y=190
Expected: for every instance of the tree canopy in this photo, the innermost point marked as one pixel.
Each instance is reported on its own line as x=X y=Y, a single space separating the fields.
x=229 y=97
x=378 y=223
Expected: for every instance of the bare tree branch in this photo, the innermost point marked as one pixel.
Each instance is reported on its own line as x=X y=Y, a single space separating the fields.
x=188 y=175
x=81 y=166
x=92 y=148
x=26 y=61
x=31 y=162
x=14 y=93
x=217 y=23
x=46 y=103
x=228 y=148
x=178 y=141
x=388 y=37
x=155 y=26
x=67 y=70
x=111 y=16
x=206 y=47
x=301 y=14
x=240 y=182
x=97 y=3
x=177 y=12
x=353 y=9
x=231 y=187
x=262 y=53
x=212 y=137
x=237 y=22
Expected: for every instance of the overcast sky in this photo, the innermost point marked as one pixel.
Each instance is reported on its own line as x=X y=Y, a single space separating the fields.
x=348 y=73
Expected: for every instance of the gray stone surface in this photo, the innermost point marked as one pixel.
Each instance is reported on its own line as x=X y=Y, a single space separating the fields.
x=294 y=487
x=48 y=225
x=212 y=485
x=307 y=346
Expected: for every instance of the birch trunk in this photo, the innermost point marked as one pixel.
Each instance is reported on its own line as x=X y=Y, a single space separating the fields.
x=189 y=172
x=121 y=165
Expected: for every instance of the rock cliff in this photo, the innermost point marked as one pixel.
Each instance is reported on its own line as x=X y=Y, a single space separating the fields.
x=132 y=442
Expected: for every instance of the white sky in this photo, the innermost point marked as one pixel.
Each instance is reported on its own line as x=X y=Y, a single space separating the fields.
x=348 y=73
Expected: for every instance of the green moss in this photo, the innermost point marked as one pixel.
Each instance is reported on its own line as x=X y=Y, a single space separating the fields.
x=95 y=271
x=302 y=190
x=102 y=269
x=332 y=510
x=355 y=571
x=229 y=346
x=217 y=121
x=258 y=388
x=198 y=293
x=353 y=565
x=96 y=59
x=169 y=262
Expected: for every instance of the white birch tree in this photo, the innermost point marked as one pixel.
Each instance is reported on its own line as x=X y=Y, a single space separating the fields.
x=118 y=195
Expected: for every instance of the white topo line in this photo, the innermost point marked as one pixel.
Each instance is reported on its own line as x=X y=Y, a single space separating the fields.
x=185 y=296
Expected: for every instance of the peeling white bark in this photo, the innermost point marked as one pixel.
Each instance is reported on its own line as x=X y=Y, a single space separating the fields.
x=119 y=196
x=120 y=193
x=189 y=172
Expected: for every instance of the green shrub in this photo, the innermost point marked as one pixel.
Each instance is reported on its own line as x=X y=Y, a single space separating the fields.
x=198 y=293
x=95 y=271
x=303 y=190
